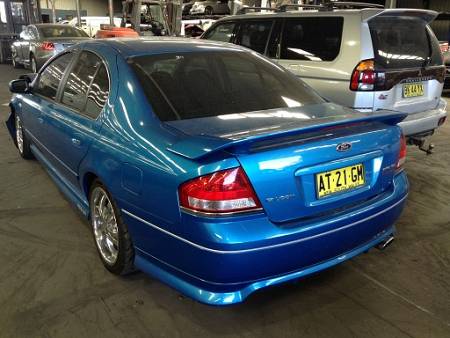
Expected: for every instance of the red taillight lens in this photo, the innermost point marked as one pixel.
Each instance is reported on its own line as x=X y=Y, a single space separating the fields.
x=364 y=76
x=47 y=46
x=402 y=153
x=221 y=192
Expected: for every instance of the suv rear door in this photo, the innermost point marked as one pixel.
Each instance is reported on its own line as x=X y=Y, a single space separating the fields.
x=407 y=52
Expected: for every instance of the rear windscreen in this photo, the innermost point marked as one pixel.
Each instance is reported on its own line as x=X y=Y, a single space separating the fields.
x=202 y=84
x=404 y=42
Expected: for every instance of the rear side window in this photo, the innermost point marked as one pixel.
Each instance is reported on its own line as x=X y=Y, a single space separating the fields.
x=222 y=32
x=51 y=77
x=98 y=93
x=254 y=34
x=404 y=42
x=201 y=84
x=79 y=80
x=312 y=39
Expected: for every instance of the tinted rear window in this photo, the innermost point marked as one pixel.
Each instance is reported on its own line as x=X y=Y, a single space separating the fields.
x=61 y=31
x=404 y=42
x=191 y=85
x=312 y=39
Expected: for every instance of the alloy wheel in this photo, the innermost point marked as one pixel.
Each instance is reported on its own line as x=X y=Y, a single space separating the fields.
x=19 y=134
x=104 y=223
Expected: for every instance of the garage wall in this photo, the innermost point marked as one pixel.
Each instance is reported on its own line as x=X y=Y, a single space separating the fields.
x=92 y=7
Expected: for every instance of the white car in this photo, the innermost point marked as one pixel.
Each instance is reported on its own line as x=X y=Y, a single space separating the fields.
x=370 y=59
x=91 y=24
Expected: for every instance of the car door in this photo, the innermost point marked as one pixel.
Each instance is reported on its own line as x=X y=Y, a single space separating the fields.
x=41 y=100
x=309 y=47
x=73 y=123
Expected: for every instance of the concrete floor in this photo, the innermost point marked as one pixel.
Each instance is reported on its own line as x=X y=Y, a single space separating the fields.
x=52 y=283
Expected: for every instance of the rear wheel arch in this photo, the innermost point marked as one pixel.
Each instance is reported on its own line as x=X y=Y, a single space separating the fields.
x=88 y=179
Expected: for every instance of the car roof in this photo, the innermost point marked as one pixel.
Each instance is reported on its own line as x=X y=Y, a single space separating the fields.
x=363 y=13
x=303 y=13
x=130 y=47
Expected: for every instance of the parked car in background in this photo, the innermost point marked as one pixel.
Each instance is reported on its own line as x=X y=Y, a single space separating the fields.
x=186 y=7
x=367 y=59
x=39 y=42
x=207 y=165
x=210 y=7
x=91 y=24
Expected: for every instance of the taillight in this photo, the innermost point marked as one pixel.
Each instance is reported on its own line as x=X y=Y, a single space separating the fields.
x=365 y=77
x=402 y=153
x=221 y=192
x=47 y=46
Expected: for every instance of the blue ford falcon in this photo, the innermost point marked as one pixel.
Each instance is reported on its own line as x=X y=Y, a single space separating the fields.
x=208 y=166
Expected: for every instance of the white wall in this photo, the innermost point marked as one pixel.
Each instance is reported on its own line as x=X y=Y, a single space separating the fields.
x=93 y=7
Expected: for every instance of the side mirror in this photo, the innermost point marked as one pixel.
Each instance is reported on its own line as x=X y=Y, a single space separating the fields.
x=19 y=86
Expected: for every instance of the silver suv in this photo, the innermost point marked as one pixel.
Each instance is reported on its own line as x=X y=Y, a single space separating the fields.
x=366 y=59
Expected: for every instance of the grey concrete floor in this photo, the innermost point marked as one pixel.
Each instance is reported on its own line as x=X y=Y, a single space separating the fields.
x=52 y=283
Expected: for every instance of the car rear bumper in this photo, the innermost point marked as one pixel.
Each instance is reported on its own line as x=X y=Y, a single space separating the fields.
x=425 y=121
x=226 y=275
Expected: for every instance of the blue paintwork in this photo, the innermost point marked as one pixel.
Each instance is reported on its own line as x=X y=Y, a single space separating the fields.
x=221 y=260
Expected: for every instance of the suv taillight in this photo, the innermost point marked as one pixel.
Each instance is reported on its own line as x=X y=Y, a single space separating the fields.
x=224 y=191
x=47 y=46
x=402 y=153
x=365 y=77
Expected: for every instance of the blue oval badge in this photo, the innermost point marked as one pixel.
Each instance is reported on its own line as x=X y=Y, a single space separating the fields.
x=343 y=146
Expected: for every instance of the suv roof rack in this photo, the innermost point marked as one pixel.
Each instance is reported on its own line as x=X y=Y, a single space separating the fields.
x=350 y=5
x=244 y=10
x=284 y=8
x=330 y=5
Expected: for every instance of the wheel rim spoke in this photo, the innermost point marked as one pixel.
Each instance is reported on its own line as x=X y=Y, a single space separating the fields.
x=105 y=226
x=19 y=134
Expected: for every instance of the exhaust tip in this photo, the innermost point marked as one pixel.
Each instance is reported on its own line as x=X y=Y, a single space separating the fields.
x=384 y=244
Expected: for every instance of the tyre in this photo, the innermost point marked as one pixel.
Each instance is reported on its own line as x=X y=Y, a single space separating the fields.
x=21 y=139
x=33 y=64
x=111 y=235
x=208 y=11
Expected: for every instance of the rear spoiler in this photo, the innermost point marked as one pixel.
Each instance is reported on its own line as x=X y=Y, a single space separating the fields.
x=198 y=146
x=424 y=14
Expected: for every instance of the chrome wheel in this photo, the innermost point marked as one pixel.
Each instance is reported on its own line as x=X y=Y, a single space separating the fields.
x=104 y=223
x=19 y=134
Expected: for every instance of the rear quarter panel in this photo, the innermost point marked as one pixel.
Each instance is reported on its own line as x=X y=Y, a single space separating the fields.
x=331 y=79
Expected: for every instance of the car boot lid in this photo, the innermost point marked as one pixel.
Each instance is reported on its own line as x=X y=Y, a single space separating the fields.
x=200 y=137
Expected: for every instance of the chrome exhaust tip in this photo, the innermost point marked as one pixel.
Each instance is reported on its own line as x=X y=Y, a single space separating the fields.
x=384 y=244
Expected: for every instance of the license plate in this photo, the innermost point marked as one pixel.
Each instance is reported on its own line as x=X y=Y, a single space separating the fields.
x=413 y=89
x=331 y=182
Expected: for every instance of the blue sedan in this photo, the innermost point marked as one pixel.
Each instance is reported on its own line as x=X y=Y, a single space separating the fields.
x=208 y=166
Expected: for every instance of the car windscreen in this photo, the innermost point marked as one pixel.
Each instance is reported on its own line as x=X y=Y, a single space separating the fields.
x=61 y=31
x=404 y=42
x=201 y=84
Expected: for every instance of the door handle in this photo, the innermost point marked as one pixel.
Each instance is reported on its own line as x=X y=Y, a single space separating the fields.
x=76 y=142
